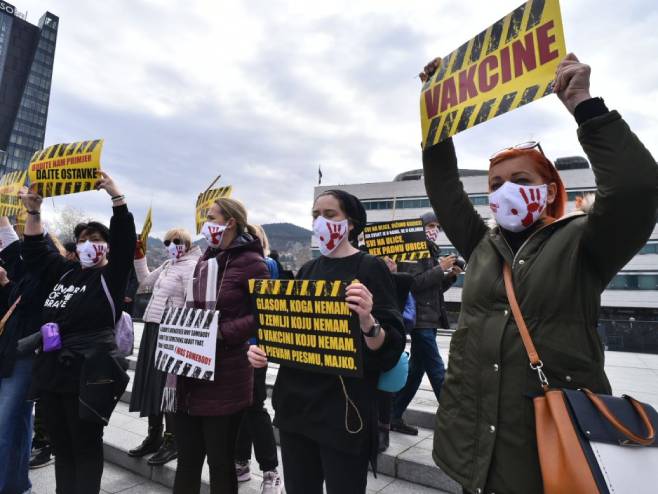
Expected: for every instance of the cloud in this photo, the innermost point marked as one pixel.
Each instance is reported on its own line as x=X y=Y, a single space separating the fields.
x=263 y=92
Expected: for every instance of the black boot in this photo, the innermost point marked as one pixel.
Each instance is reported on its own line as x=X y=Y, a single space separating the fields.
x=167 y=452
x=150 y=445
x=383 y=439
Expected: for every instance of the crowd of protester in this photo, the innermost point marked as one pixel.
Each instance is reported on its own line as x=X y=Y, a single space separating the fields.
x=60 y=306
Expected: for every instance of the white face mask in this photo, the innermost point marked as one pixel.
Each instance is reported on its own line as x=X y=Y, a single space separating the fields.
x=175 y=252
x=330 y=234
x=432 y=234
x=91 y=253
x=213 y=233
x=517 y=207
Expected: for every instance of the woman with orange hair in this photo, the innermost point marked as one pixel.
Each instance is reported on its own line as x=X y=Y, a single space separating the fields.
x=485 y=430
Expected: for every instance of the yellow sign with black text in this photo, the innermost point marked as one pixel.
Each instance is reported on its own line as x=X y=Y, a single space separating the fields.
x=508 y=65
x=146 y=229
x=10 y=185
x=307 y=324
x=65 y=168
x=205 y=201
x=401 y=240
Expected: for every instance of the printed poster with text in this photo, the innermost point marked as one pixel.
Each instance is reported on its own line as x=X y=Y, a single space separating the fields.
x=508 y=65
x=10 y=185
x=402 y=240
x=187 y=342
x=307 y=324
x=205 y=201
x=65 y=168
x=146 y=229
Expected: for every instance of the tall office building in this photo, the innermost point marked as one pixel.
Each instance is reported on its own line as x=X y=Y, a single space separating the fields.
x=27 y=53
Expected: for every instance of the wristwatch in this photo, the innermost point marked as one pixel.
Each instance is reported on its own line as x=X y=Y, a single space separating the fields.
x=374 y=331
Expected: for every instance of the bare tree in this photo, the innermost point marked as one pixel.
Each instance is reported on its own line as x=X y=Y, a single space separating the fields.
x=67 y=218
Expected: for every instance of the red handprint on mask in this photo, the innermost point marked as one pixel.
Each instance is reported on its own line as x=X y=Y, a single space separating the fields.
x=533 y=205
x=335 y=236
x=99 y=251
x=215 y=234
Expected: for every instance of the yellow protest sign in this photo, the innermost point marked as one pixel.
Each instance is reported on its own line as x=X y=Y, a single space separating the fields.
x=10 y=184
x=205 y=201
x=65 y=168
x=307 y=324
x=21 y=218
x=509 y=64
x=146 y=229
x=401 y=240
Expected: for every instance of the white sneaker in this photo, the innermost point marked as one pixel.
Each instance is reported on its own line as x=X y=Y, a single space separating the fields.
x=271 y=483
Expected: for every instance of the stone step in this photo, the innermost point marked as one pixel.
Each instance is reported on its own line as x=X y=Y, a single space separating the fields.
x=405 y=467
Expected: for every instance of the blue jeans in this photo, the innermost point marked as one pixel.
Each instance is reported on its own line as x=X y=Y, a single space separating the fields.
x=15 y=429
x=424 y=358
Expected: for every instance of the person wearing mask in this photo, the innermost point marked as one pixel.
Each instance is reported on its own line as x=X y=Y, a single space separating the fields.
x=432 y=277
x=485 y=435
x=256 y=426
x=328 y=424
x=21 y=298
x=209 y=413
x=168 y=283
x=70 y=251
x=77 y=376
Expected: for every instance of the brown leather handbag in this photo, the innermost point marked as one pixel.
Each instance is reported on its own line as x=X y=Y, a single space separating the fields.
x=585 y=440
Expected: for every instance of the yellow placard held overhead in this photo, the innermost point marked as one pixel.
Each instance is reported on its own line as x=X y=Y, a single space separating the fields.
x=10 y=185
x=509 y=64
x=66 y=168
x=205 y=201
x=146 y=229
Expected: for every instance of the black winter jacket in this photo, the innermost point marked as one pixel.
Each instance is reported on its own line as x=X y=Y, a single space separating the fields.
x=429 y=284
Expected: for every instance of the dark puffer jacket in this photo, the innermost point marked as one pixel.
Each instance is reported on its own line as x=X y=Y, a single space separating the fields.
x=429 y=284
x=231 y=390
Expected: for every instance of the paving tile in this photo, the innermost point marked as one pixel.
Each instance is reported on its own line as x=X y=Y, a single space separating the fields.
x=117 y=479
x=416 y=465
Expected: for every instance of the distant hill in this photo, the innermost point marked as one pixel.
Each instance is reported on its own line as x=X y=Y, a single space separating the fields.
x=282 y=235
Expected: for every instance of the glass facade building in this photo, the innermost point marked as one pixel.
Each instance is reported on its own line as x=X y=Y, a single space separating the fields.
x=27 y=53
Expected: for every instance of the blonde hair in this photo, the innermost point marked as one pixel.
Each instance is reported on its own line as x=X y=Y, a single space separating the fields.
x=181 y=233
x=264 y=241
x=232 y=208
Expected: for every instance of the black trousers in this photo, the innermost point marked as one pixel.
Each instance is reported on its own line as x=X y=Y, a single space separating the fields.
x=307 y=464
x=41 y=438
x=78 y=445
x=213 y=437
x=256 y=427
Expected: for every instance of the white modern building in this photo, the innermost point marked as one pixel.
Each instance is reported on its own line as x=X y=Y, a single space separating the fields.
x=632 y=295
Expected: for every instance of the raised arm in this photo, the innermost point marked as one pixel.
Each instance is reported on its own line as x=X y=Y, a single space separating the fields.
x=38 y=257
x=454 y=210
x=626 y=175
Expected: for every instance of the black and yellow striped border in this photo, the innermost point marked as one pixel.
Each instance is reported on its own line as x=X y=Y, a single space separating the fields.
x=297 y=288
x=520 y=20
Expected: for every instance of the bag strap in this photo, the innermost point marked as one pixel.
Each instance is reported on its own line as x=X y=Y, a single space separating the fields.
x=535 y=362
x=5 y=318
x=616 y=423
x=537 y=365
x=109 y=298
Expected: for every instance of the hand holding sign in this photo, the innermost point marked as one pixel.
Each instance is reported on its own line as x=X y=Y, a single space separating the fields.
x=572 y=82
x=359 y=299
x=257 y=357
x=31 y=200
x=107 y=184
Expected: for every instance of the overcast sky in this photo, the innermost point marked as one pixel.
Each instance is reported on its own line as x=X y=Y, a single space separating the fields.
x=262 y=92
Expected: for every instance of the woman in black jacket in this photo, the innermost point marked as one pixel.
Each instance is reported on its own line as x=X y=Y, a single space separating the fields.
x=328 y=424
x=77 y=383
